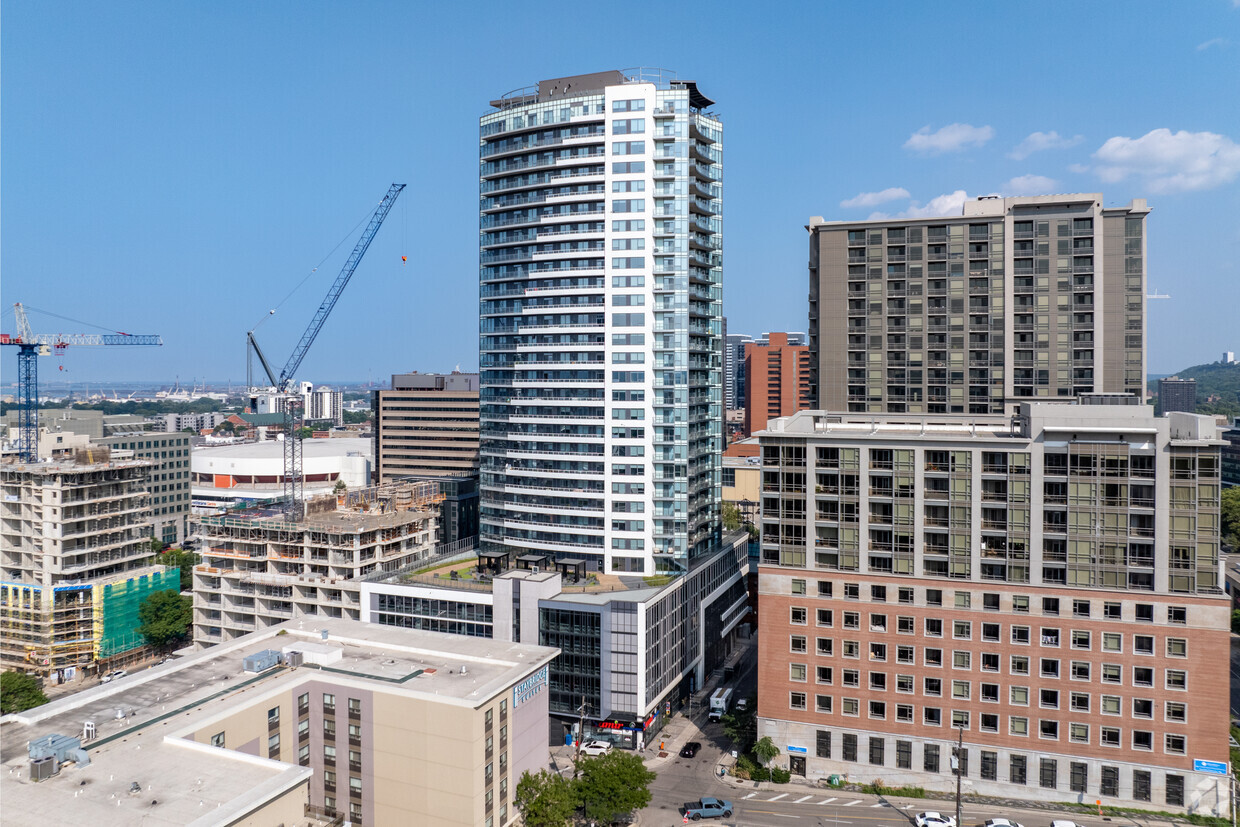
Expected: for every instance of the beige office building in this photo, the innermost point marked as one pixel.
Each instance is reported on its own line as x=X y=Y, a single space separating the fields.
x=1015 y=299
x=302 y=726
x=427 y=424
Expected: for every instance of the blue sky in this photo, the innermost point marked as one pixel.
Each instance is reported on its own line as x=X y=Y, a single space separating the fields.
x=178 y=168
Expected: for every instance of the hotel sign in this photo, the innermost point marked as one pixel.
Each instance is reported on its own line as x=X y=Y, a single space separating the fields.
x=529 y=687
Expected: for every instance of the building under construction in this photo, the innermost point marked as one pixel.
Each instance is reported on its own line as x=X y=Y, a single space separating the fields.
x=259 y=568
x=74 y=562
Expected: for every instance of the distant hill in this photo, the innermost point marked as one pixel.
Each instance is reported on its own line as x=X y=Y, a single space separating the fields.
x=1214 y=379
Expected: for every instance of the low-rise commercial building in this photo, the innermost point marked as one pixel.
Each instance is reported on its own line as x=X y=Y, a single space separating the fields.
x=168 y=482
x=226 y=475
x=1048 y=587
x=296 y=725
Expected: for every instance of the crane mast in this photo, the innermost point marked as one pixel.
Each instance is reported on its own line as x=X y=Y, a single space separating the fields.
x=283 y=383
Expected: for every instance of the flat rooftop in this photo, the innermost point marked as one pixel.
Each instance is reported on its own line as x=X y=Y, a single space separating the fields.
x=274 y=449
x=143 y=720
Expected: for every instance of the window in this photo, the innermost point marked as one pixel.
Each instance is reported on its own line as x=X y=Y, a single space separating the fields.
x=329 y=703
x=1078 y=733
x=852 y=591
x=932 y=716
x=932 y=687
x=1019 y=695
x=273 y=745
x=905 y=594
x=1112 y=673
x=878 y=681
x=877 y=749
x=904 y=755
x=1177 y=679
x=1145 y=613
x=1018 y=726
x=1080 y=639
x=1142 y=740
x=273 y=716
x=1108 y=736
x=990 y=662
x=1111 y=705
x=960 y=719
x=824 y=617
x=878 y=652
x=798 y=586
x=1017 y=766
x=850 y=746
x=797 y=616
x=823 y=744
x=904 y=713
x=1080 y=608
x=905 y=654
x=990 y=765
x=1049 y=668
x=303 y=755
x=1175 y=744
x=796 y=672
x=1046 y=774
x=1175 y=790
x=961 y=690
x=1050 y=605
x=990 y=602
x=1112 y=642
x=1048 y=698
x=1143 y=644
x=852 y=649
x=217 y=740
x=1112 y=611
x=1177 y=647
x=990 y=692
x=1110 y=781
x=796 y=700
x=932 y=657
x=797 y=643
x=934 y=597
x=824 y=646
x=1080 y=702
x=1020 y=604
x=851 y=706
x=1142 y=676
x=878 y=594
x=1142 y=708
x=1020 y=665
x=1179 y=616
x=905 y=625
x=930 y=757
x=1080 y=670
x=329 y=755
x=1020 y=634
x=961 y=660
x=963 y=600
x=1175 y=711
x=822 y=704
x=1048 y=728
x=962 y=630
x=990 y=632
x=824 y=588
x=934 y=627
x=1078 y=774
x=1141 y=785
x=989 y=722
x=823 y=674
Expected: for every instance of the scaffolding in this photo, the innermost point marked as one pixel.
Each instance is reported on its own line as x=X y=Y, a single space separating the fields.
x=116 y=609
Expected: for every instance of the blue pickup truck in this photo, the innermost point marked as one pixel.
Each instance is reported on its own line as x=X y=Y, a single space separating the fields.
x=708 y=808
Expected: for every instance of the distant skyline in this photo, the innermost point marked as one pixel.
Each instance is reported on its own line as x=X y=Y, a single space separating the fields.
x=180 y=168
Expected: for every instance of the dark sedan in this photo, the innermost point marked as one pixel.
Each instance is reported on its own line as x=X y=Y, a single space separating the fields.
x=690 y=749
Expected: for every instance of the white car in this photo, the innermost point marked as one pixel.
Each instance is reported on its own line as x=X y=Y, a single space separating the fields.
x=594 y=748
x=1000 y=822
x=1065 y=824
x=933 y=819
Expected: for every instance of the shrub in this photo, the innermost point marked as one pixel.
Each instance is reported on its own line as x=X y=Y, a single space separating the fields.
x=760 y=774
x=780 y=775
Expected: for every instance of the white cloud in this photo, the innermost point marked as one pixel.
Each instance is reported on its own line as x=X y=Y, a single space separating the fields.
x=1030 y=185
x=1038 y=141
x=1171 y=161
x=1214 y=41
x=949 y=204
x=873 y=199
x=951 y=138
x=1078 y=168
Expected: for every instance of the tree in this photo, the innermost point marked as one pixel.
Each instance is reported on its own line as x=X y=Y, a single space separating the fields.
x=1231 y=516
x=184 y=560
x=305 y=433
x=1235 y=621
x=731 y=517
x=765 y=750
x=19 y=692
x=613 y=784
x=165 y=617
x=340 y=487
x=157 y=545
x=545 y=799
x=742 y=727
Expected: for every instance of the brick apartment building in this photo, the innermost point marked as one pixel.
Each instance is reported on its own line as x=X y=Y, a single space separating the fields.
x=776 y=380
x=1049 y=585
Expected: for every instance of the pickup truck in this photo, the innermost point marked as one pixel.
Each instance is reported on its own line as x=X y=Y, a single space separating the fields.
x=708 y=808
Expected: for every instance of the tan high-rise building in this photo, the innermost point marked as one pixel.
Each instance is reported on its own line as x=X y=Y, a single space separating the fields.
x=427 y=424
x=776 y=380
x=1014 y=299
x=1045 y=585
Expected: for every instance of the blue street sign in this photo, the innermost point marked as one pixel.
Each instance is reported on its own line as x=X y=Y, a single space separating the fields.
x=798 y=750
x=1216 y=767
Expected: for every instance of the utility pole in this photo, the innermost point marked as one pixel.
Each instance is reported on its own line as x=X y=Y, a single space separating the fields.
x=581 y=729
x=956 y=759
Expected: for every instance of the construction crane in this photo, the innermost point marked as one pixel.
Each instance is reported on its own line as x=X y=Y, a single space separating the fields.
x=280 y=385
x=33 y=345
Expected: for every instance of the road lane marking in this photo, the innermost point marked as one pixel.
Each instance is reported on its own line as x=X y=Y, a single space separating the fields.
x=802 y=798
x=751 y=795
x=826 y=801
x=854 y=801
x=776 y=798
x=773 y=813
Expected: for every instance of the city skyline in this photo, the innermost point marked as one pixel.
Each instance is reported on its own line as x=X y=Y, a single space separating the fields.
x=161 y=173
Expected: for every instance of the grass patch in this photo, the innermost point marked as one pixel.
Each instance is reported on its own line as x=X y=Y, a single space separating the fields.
x=1190 y=818
x=877 y=788
x=657 y=580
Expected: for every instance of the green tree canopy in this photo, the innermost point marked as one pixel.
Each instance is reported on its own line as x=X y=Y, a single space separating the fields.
x=545 y=799
x=1231 y=516
x=731 y=517
x=613 y=784
x=304 y=432
x=765 y=749
x=19 y=692
x=742 y=727
x=165 y=618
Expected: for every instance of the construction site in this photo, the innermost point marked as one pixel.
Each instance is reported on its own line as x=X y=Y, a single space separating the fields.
x=74 y=562
x=260 y=568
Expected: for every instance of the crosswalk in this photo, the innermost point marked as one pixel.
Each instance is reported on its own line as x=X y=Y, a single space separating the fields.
x=849 y=803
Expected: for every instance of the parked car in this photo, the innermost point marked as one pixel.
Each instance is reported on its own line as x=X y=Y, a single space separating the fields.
x=593 y=748
x=1058 y=823
x=708 y=808
x=111 y=676
x=690 y=749
x=1000 y=822
x=742 y=705
x=933 y=819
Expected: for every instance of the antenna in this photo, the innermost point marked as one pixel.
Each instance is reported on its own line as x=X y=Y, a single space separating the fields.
x=1157 y=295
